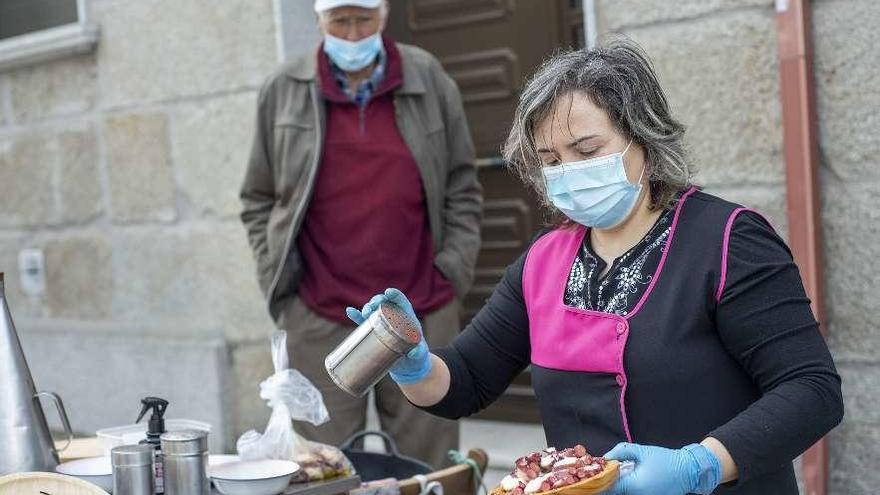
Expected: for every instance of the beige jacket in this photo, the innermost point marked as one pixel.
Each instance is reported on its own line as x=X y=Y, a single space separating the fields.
x=287 y=150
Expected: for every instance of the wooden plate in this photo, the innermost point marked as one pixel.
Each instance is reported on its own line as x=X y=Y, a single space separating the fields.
x=590 y=486
x=50 y=483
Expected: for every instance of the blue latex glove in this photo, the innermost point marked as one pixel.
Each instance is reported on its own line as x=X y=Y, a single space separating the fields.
x=662 y=471
x=416 y=365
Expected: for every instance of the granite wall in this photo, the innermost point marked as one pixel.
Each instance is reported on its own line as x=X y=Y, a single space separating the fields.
x=717 y=60
x=123 y=166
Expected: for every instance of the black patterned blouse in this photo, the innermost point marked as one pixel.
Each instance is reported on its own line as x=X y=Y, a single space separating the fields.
x=620 y=289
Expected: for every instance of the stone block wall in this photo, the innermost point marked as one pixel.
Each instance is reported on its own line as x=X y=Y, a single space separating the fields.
x=717 y=61
x=123 y=166
x=845 y=39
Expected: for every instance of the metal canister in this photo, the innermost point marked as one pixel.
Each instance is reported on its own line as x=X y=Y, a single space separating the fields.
x=366 y=355
x=132 y=469
x=186 y=462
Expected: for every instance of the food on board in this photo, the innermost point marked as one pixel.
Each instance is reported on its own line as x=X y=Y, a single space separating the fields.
x=552 y=470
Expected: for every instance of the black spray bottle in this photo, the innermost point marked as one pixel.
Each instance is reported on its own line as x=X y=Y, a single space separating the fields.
x=155 y=429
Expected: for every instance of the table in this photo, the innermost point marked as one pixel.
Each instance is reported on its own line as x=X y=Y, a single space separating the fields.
x=89 y=447
x=334 y=486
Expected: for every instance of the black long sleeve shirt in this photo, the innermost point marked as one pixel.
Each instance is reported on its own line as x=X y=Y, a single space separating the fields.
x=763 y=320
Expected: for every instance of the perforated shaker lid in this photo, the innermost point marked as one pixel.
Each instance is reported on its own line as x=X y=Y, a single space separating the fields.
x=400 y=332
x=184 y=442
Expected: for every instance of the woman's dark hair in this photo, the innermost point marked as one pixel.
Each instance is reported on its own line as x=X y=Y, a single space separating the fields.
x=619 y=78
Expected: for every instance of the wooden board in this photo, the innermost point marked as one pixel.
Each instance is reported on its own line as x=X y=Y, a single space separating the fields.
x=456 y=480
x=46 y=484
x=79 y=448
x=332 y=486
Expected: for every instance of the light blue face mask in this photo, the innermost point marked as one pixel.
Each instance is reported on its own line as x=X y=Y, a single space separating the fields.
x=594 y=192
x=353 y=55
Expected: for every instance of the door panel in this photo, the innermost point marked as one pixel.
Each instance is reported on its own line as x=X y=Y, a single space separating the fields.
x=488 y=47
x=425 y=15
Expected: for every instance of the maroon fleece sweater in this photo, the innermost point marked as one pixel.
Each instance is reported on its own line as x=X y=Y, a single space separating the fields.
x=366 y=227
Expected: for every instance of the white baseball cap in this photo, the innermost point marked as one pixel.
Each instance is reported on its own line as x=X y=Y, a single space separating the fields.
x=322 y=5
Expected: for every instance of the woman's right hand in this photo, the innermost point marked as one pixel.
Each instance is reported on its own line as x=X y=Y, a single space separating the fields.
x=416 y=365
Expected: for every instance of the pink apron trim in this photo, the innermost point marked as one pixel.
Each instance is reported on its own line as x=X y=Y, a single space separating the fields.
x=666 y=250
x=574 y=230
x=725 y=245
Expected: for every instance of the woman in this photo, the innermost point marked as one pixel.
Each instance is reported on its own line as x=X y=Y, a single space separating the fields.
x=660 y=322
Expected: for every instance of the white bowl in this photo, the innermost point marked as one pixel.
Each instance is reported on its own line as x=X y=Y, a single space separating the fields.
x=95 y=470
x=218 y=459
x=265 y=477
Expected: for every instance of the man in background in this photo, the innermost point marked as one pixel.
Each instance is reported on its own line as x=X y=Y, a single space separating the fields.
x=361 y=178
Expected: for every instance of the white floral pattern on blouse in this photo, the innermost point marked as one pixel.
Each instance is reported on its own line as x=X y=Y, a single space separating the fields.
x=620 y=289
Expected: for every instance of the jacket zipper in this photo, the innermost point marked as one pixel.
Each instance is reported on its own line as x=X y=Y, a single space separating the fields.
x=308 y=191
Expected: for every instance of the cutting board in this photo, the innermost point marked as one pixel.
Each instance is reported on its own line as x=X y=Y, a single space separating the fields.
x=46 y=484
x=79 y=448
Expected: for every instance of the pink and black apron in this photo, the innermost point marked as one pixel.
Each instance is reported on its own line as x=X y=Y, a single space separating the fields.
x=605 y=378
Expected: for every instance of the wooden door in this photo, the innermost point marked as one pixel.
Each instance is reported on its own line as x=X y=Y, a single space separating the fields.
x=489 y=47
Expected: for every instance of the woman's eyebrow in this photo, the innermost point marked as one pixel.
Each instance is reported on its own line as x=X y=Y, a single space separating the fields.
x=572 y=144
x=578 y=141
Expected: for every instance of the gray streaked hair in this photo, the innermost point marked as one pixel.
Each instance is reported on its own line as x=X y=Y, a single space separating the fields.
x=618 y=77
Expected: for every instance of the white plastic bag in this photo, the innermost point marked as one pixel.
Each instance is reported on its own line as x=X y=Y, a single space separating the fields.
x=291 y=396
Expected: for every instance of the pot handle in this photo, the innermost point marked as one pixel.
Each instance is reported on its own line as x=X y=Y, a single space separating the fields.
x=59 y=405
x=390 y=446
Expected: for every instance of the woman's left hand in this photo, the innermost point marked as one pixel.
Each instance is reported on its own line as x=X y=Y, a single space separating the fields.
x=416 y=365
x=662 y=471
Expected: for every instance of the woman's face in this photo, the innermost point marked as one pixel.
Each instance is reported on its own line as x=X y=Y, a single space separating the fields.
x=577 y=130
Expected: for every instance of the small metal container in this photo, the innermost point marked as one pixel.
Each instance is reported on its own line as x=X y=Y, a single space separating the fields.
x=132 y=470
x=186 y=462
x=366 y=355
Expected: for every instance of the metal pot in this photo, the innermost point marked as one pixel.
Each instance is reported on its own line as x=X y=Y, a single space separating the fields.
x=371 y=466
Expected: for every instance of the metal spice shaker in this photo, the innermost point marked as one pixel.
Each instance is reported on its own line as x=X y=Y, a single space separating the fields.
x=132 y=469
x=368 y=353
x=186 y=462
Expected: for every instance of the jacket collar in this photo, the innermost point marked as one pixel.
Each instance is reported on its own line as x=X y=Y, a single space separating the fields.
x=305 y=68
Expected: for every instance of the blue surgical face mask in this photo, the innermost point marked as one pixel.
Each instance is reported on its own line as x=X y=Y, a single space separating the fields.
x=594 y=192
x=353 y=55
